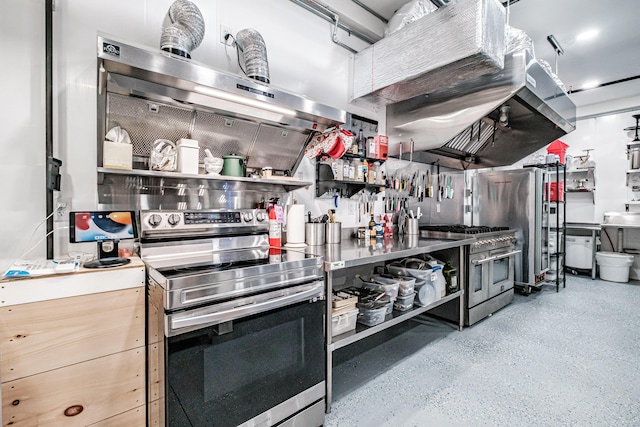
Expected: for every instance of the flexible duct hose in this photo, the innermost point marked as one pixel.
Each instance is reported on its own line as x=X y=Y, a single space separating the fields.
x=186 y=31
x=252 y=45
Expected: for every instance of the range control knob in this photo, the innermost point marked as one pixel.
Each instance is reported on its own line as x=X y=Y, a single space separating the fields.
x=154 y=220
x=247 y=216
x=261 y=216
x=174 y=219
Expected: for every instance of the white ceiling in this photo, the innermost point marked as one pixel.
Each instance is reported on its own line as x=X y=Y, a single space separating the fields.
x=614 y=54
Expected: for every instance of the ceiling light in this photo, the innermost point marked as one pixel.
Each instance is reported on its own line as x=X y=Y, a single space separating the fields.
x=243 y=100
x=587 y=35
x=590 y=84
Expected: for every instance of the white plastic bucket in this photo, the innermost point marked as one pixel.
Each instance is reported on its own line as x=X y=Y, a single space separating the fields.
x=614 y=267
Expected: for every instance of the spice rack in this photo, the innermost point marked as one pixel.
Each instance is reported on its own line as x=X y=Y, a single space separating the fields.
x=326 y=181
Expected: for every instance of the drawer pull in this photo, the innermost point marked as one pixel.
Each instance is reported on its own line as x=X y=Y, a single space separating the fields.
x=15 y=402
x=73 y=410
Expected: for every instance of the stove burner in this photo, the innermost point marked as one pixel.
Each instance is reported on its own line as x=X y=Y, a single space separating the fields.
x=462 y=229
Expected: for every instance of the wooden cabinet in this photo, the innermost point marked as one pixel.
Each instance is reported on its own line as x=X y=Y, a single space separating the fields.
x=77 y=360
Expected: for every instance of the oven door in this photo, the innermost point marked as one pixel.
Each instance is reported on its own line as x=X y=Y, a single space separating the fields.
x=478 y=278
x=501 y=272
x=252 y=362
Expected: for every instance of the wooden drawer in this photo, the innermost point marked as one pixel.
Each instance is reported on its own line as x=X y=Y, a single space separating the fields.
x=41 y=336
x=133 y=418
x=78 y=395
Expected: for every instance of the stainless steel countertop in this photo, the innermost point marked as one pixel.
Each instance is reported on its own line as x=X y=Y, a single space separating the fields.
x=583 y=225
x=353 y=252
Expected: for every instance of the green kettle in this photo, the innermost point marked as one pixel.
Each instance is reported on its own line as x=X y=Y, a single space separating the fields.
x=233 y=165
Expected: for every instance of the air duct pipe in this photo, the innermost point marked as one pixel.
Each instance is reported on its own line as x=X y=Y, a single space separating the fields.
x=186 y=31
x=252 y=46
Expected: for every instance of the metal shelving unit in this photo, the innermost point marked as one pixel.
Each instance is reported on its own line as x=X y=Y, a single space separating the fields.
x=559 y=171
x=349 y=259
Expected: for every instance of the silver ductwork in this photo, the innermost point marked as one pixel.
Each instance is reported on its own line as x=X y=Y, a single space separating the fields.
x=186 y=30
x=463 y=89
x=254 y=50
x=157 y=95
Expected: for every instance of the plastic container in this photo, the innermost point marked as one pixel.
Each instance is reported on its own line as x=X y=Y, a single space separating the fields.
x=579 y=252
x=614 y=267
x=372 y=316
x=188 y=156
x=404 y=303
x=425 y=293
x=382 y=284
x=406 y=285
x=556 y=190
x=438 y=281
x=344 y=322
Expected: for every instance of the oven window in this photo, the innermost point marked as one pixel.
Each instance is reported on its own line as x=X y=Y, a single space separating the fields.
x=476 y=278
x=225 y=380
x=501 y=270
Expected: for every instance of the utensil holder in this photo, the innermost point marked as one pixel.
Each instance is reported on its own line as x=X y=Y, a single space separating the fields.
x=333 y=232
x=412 y=226
x=314 y=233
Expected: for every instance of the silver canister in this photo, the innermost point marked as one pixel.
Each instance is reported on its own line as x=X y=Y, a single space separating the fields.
x=333 y=233
x=314 y=233
x=412 y=226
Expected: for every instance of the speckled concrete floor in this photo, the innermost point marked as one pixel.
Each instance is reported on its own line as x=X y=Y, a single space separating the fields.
x=550 y=359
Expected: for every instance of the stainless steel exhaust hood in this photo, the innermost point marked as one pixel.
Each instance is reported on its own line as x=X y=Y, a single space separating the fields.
x=492 y=120
x=227 y=113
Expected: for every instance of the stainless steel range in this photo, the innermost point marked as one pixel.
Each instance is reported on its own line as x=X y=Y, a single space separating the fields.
x=235 y=327
x=489 y=264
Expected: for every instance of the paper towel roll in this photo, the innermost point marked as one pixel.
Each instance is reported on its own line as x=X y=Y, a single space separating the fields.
x=295 y=226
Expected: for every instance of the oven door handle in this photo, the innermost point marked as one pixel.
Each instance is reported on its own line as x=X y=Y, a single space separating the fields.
x=493 y=258
x=235 y=309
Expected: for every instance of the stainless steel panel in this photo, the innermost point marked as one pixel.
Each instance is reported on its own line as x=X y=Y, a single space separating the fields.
x=198 y=318
x=477 y=290
x=186 y=292
x=313 y=416
x=175 y=74
x=173 y=97
x=458 y=125
x=514 y=198
x=157 y=190
x=479 y=312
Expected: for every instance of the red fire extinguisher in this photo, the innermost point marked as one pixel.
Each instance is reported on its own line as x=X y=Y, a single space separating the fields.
x=275 y=231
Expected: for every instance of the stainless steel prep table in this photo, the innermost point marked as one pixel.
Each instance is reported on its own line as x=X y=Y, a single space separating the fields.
x=353 y=253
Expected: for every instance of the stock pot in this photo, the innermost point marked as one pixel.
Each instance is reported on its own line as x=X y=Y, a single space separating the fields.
x=233 y=165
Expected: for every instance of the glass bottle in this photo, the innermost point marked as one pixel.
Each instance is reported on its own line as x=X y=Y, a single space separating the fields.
x=372 y=228
x=361 y=143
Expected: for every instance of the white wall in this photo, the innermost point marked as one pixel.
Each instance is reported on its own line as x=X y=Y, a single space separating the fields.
x=302 y=58
x=600 y=127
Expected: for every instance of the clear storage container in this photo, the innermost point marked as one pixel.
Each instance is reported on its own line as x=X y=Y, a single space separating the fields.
x=406 y=285
x=345 y=322
x=404 y=303
x=372 y=316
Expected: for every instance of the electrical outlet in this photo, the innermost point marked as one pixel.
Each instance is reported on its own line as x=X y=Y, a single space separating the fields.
x=62 y=208
x=224 y=30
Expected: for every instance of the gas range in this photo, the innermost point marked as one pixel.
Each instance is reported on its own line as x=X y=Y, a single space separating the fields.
x=487 y=237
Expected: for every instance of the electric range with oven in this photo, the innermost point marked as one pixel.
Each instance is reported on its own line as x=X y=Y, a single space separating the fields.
x=489 y=264
x=235 y=327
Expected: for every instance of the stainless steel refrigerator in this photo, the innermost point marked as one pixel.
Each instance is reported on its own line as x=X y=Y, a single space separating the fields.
x=516 y=199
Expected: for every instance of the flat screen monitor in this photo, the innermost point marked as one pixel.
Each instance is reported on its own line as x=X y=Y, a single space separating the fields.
x=106 y=228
